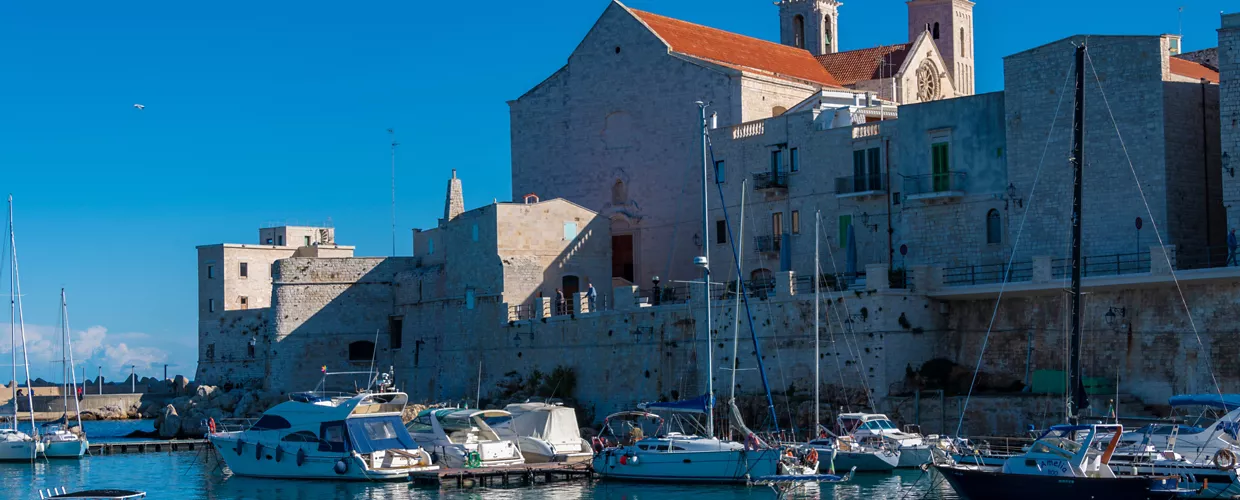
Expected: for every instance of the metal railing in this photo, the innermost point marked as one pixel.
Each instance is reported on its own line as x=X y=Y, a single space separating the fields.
x=1103 y=265
x=947 y=182
x=1203 y=257
x=770 y=180
x=987 y=274
x=768 y=244
x=860 y=184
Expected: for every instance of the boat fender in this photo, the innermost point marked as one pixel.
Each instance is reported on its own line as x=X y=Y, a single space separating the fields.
x=341 y=466
x=1225 y=459
x=624 y=459
x=633 y=460
x=279 y=454
x=239 y=445
x=211 y=425
x=301 y=457
x=258 y=451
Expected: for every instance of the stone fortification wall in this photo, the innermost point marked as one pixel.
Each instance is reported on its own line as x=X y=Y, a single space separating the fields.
x=1229 y=88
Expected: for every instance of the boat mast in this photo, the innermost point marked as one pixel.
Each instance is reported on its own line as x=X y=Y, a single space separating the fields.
x=21 y=324
x=13 y=318
x=817 y=379
x=710 y=383
x=1078 y=161
x=77 y=405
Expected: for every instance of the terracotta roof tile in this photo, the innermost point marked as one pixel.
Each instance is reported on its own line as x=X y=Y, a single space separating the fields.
x=1193 y=70
x=737 y=51
x=865 y=64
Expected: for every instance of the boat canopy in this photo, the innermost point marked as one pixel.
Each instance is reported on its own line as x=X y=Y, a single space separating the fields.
x=548 y=422
x=699 y=404
x=1226 y=402
x=379 y=433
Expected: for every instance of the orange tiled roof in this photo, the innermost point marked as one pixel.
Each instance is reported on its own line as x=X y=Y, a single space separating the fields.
x=1194 y=70
x=865 y=64
x=737 y=51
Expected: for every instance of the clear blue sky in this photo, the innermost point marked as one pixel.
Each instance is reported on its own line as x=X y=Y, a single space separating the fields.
x=262 y=112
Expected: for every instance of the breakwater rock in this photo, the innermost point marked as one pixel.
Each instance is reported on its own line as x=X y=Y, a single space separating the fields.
x=186 y=416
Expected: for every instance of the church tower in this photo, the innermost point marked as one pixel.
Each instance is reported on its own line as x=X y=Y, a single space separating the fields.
x=812 y=25
x=950 y=23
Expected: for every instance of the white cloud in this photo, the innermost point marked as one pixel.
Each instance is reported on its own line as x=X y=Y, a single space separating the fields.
x=93 y=347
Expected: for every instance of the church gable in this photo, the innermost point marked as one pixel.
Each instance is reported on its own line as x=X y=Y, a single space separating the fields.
x=618 y=34
x=924 y=76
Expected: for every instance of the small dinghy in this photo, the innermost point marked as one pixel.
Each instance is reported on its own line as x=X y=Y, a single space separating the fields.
x=105 y=494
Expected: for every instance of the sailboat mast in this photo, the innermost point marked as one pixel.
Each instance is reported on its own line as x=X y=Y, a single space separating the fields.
x=13 y=315
x=1078 y=160
x=21 y=322
x=64 y=367
x=710 y=379
x=736 y=315
x=817 y=379
x=77 y=404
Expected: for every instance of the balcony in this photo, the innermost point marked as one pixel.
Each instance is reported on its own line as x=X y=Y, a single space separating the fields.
x=770 y=180
x=768 y=244
x=860 y=186
x=935 y=186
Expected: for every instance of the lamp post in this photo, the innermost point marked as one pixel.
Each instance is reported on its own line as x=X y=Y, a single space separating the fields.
x=655 y=295
x=1115 y=316
x=100 y=380
x=133 y=381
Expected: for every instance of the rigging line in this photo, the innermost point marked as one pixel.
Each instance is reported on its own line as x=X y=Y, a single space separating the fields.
x=684 y=184
x=1158 y=234
x=846 y=326
x=1020 y=232
x=830 y=329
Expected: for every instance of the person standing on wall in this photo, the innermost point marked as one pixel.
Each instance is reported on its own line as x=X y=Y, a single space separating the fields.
x=1231 y=247
x=591 y=296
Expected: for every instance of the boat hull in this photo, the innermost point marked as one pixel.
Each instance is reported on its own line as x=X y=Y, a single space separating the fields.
x=981 y=484
x=862 y=462
x=65 y=449
x=316 y=465
x=724 y=466
x=913 y=456
x=18 y=451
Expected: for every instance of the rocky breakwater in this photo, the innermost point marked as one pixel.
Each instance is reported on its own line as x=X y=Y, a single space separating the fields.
x=186 y=416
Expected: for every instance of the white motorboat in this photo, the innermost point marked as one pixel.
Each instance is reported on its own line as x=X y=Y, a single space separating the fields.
x=59 y=441
x=467 y=438
x=316 y=436
x=548 y=433
x=866 y=427
x=14 y=444
x=1202 y=439
x=844 y=453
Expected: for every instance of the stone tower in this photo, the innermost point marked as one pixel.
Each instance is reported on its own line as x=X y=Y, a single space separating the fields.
x=455 y=204
x=950 y=23
x=1229 y=115
x=812 y=25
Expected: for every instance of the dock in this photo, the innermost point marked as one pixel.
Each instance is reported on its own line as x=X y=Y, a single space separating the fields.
x=155 y=445
x=514 y=475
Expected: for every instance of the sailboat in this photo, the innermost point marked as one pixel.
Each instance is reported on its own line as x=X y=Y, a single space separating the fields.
x=58 y=440
x=16 y=445
x=1064 y=463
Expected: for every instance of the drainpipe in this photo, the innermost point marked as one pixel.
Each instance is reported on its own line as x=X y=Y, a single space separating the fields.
x=891 y=255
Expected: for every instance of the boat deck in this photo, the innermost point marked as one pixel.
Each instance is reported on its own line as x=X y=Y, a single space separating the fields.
x=513 y=475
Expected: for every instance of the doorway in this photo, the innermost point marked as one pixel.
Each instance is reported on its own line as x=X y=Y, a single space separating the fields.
x=622 y=256
x=570 y=285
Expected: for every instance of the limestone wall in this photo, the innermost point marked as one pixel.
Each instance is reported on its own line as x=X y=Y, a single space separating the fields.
x=1196 y=217
x=1229 y=89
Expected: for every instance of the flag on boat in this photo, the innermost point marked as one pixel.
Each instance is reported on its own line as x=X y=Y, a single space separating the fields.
x=324 y=369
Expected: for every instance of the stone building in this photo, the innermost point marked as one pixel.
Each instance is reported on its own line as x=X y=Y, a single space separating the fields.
x=1229 y=72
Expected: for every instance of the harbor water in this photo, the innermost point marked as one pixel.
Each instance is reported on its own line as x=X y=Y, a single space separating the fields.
x=194 y=475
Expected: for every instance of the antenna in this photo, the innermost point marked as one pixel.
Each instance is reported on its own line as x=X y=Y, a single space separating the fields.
x=1181 y=19
x=392 y=134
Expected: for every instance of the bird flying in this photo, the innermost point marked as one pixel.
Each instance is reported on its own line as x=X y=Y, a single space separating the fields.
x=139 y=106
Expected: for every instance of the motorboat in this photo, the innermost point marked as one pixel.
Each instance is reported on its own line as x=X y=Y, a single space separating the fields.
x=548 y=433
x=467 y=438
x=17 y=446
x=104 y=494
x=876 y=427
x=319 y=436
x=639 y=446
x=1061 y=464
x=846 y=453
x=60 y=442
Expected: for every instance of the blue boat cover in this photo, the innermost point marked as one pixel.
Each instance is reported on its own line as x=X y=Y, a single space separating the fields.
x=695 y=405
x=379 y=433
x=1227 y=402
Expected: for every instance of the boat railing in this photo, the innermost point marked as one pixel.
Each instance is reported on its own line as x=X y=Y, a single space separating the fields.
x=234 y=424
x=1000 y=446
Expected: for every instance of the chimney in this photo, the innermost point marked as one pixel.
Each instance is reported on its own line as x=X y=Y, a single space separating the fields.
x=455 y=204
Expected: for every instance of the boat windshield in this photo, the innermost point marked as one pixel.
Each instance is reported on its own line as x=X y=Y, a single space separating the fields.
x=878 y=425
x=1056 y=445
x=468 y=427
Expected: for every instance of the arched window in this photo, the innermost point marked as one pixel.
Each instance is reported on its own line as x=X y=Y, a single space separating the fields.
x=994 y=227
x=798 y=31
x=962 y=45
x=619 y=193
x=935 y=32
x=362 y=350
x=778 y=110
x=828 y=36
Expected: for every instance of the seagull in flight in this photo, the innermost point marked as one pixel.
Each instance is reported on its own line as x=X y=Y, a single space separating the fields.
x=139 y=106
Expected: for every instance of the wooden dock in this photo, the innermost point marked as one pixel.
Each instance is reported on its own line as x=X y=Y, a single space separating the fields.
x=515 y=475
x=112 y=448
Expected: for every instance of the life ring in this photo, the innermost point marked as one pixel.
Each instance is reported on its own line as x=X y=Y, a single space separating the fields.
x=211 y=425
x=812 y=457
x=1225 y=455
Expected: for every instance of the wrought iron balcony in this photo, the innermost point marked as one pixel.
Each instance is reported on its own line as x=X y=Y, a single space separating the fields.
x=941 y=185
x=768 y=244
x=770 y=180
x=860 y=185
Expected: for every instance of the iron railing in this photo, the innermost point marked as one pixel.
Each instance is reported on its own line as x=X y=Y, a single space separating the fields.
x=987 y=274
x=1203 y=257
x=1103 y=265
x=770 y=180
x=860 y=184
x=946 y=182
x=768 y=244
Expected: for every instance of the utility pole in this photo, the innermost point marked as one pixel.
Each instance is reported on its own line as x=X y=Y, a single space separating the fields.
x=392 y=134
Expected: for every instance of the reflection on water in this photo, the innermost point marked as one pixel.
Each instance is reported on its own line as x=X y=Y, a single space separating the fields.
x=193 y=475
x=106 y=430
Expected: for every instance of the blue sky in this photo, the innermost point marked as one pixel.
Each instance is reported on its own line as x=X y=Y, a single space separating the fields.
x=274 y=112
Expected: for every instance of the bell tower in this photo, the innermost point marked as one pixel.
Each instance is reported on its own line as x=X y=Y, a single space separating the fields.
x=812 y=25
x=950 y=23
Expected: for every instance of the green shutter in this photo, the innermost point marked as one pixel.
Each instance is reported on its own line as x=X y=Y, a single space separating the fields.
x=845 y=221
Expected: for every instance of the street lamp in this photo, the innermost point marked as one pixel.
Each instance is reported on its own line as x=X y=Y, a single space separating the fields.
x=100 y=380
x=133 y=381
x=655 y=291
x=1114 y=315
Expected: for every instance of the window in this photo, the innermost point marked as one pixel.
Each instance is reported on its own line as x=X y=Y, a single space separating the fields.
x=396 y=332
x=962 y=52
x=245 y=270
x=940 y=164
x=798 y=32
x=268 y=241
x=794 y=157
x=796 y=222
x=935 y=34
x=994 y=227
x=210 y=305
x=211 y=352
x=307 y=241
x=270 y=423
x=332 y=437
x=826 y=30
x=570 y=231
x=721 y=232
x=474 y=232
x=469 y=298
x=280 y=240
x=210 y=272
x=420 y=424
x=874 y=169
x=300 y=437
x=778 y=110
x=777 y=223
x=720 y=172
x=845 y=221
x=245 y=302
x=859 y=170
x=777 y=160
x=362 y=350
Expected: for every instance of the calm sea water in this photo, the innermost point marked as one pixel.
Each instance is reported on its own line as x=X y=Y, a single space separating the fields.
x=192 y=475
